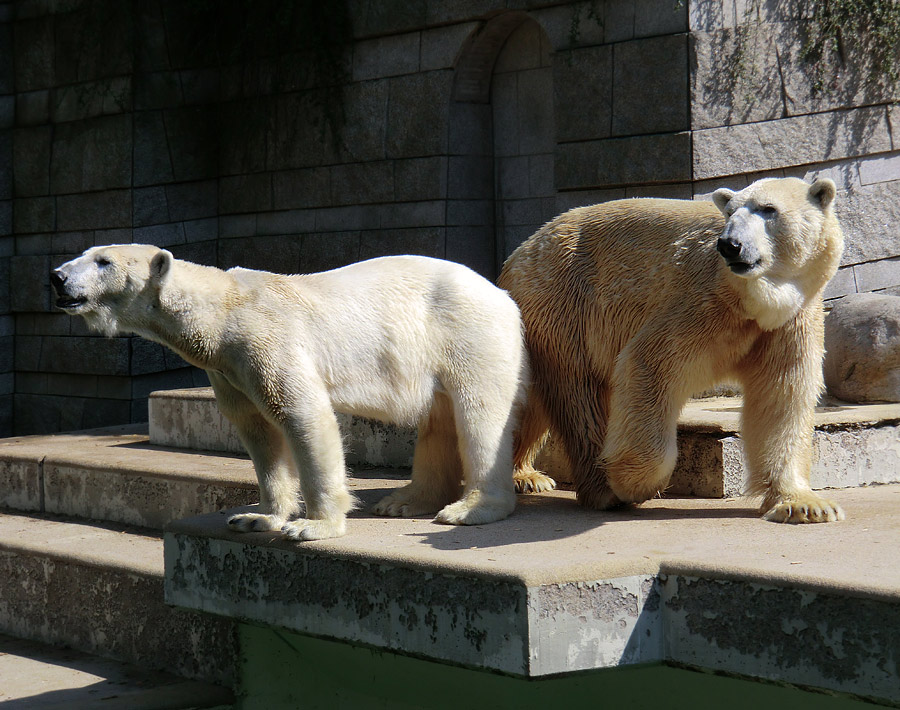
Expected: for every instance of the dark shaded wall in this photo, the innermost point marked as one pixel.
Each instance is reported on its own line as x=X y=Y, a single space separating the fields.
x=301 y=136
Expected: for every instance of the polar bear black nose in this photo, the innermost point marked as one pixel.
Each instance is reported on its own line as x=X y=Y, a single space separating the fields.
x=729 y=247
x=57 y=280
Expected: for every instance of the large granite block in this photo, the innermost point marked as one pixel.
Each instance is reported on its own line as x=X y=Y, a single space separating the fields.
x=790 y=141
x=31 y=158
x=92 y=155
x=427 y=241
x=440 y=46
x=191 y=135
x=34 y=53
x=664 y=157
x=867 y=215
x=734 y=80
x=650 y=86
x=420 y=179
x=309 y=187
x=245 y=193
x=29 y=284
x=152 y=164
x=94 y=210
x=92 y=99
x=583 y=93
x=362 y=183
x=34 y=214
x=392 y=55
x=82 y=355
x=418 y=101
x=324 y=251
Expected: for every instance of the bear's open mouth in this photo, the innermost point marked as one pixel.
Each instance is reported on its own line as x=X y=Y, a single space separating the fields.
x=68 y=303
x=742 y=267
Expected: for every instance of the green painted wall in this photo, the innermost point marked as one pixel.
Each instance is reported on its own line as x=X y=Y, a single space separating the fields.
x=285 y=670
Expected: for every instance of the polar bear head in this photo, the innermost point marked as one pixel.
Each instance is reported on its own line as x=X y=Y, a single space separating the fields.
x=782 y=239
x=111 y=284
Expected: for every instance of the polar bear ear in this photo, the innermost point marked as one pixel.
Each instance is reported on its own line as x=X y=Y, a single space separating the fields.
x=822 y=192
x=722 y=197
x=160 y=264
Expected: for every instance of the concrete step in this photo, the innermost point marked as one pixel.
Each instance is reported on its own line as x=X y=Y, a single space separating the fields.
x=99 y=589
x=115 y=474
x=40 y=677
x=557 y=588
x=855 y=444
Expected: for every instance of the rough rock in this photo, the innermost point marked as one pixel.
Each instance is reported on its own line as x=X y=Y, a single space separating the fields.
x=862 y=340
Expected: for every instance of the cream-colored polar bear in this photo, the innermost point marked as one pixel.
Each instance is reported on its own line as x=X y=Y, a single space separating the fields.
x=631 y=306
x=403 y=339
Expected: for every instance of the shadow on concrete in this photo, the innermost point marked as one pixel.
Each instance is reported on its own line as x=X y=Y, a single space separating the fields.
x=551 y=516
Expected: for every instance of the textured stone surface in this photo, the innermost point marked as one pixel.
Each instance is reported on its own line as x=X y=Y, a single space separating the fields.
x=101 y=591
x=34 y=672
x=869 y=217
x=664 y=157
x=854 y=445
x=190 y=419
x=862 y=341
x=581 y=114
x=789 y=141
x=562 y=588
x=650 y=87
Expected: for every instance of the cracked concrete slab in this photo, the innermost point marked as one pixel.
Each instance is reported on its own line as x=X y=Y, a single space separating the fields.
x=557 y=588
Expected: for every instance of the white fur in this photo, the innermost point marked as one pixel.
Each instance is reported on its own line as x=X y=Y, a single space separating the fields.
x=402 y=339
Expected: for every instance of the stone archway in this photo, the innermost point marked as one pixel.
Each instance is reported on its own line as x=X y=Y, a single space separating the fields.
x=501 y=142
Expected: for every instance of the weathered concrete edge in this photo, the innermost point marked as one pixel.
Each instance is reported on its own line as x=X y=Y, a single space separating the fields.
x=803 y=633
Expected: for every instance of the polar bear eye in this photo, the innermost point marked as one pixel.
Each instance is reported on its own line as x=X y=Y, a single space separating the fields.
x=768 y=211
x=102 y=261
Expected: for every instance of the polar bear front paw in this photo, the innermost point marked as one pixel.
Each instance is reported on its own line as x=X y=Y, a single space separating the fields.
x=255 y=522
x=305 y=529
x=808 y=508
x=477 y=508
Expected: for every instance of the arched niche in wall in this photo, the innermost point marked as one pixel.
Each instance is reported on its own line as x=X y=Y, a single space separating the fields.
x=500 y=185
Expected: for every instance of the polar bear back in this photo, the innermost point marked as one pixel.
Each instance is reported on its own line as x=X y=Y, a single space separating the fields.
x=385 y=334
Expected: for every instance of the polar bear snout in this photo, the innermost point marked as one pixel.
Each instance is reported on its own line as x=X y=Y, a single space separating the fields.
x=64 y=299
x=740 y=256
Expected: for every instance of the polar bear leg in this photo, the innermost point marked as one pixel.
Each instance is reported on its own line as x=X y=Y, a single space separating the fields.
x=580 y=419
x=485 y=437
x=777 y=425
x=314 y=440
x=278 y=481
x=641 y=444
x=437 y=471
x=528 y=441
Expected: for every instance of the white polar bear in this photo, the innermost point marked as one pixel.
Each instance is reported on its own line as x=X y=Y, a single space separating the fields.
x=403 y=339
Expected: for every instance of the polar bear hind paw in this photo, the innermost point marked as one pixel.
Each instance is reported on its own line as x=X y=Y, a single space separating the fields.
x=532 y=481
x=476 y=508
x=305 y=529
x=404 y=504
x=255 y=522
x=804 y=509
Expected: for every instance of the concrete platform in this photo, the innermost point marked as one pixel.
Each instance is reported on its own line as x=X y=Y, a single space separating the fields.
x=557 y=588
x=114 y=474
x=99 y=589
x=855 y=444
x=39 y=677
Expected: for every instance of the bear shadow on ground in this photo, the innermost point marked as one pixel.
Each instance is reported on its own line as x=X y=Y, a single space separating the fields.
x=544 y=518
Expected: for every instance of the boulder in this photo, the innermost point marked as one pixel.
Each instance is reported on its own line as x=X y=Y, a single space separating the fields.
x=862 y=343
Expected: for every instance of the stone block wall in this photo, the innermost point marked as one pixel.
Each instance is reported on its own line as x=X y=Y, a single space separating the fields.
x=765 y=119
x=304 y=136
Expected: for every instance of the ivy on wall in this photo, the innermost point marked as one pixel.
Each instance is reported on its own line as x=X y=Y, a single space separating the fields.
x=835 y=29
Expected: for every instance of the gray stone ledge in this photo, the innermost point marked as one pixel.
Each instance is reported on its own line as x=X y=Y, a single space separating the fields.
x=855 y=444
x=557 y=588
